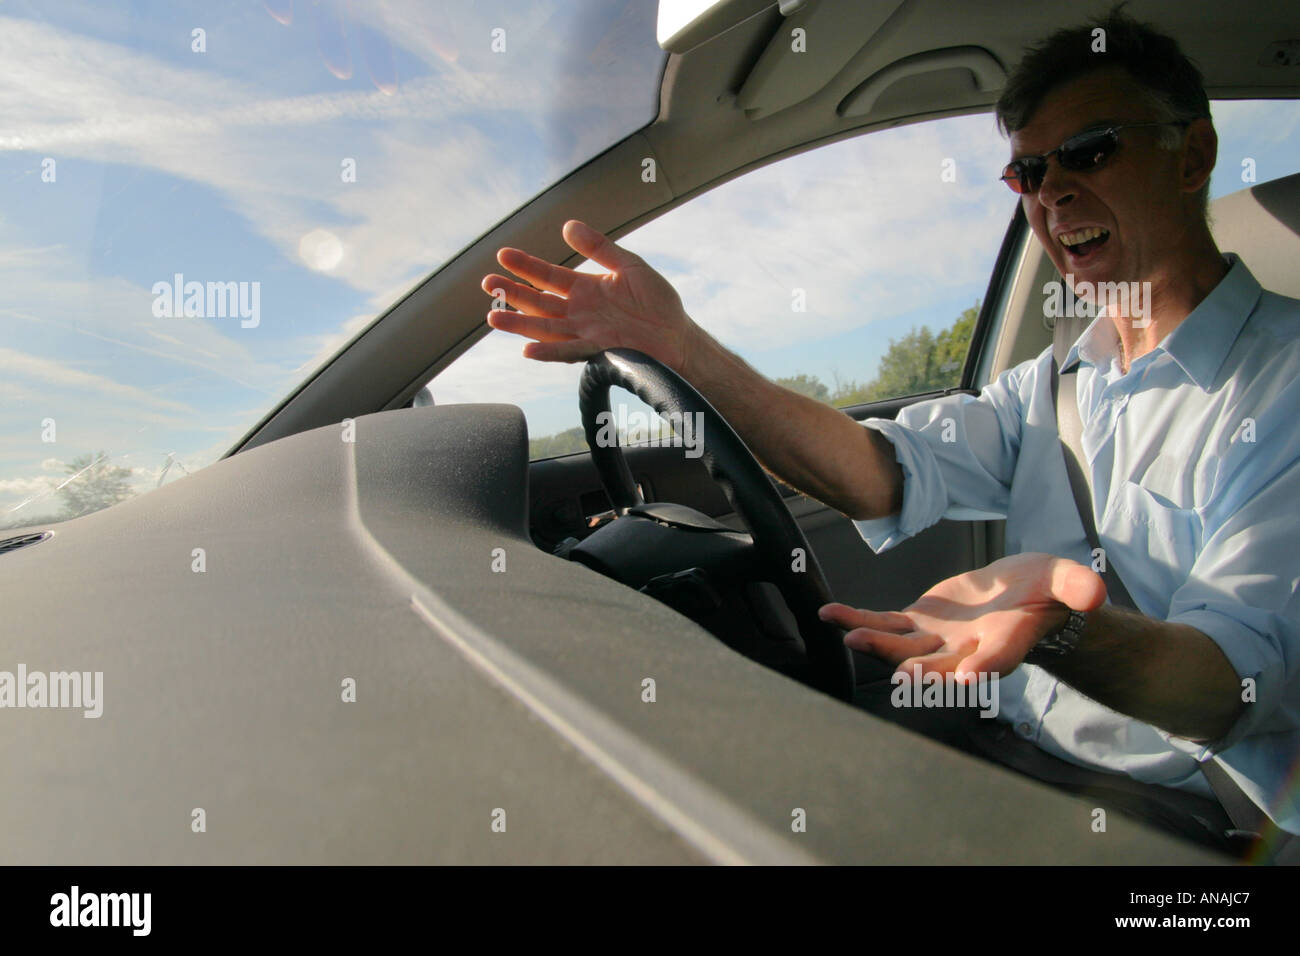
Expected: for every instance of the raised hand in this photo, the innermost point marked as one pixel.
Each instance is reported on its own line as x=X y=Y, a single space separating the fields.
x=982 y=621
x=573 y=315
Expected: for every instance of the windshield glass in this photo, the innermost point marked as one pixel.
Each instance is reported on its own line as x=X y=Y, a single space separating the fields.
x=205 y=201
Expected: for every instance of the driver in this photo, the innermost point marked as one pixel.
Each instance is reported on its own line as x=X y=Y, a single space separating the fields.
x=1189 y=439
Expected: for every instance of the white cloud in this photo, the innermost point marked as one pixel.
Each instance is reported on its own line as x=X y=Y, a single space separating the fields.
x=324 y=346
x=1258 y=121
x=863 y=227
x=437 y=161
x=493 y=370
x=63 y=377
x=866 y=227
x=24 y=487
x=429 y=180
x=52 y=293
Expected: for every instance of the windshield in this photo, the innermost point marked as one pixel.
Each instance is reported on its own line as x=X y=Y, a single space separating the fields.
x=205 y=201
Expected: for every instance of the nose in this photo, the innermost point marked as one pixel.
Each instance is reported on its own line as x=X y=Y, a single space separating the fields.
x=1057 y=187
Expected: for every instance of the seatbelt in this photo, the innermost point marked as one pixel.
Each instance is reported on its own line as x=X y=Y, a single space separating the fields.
x=1244 y=813
x=1070 y=427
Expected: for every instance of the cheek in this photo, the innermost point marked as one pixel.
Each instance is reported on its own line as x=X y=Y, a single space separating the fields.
x=1140 y=194
x=1038 y=223
x=1036 y=216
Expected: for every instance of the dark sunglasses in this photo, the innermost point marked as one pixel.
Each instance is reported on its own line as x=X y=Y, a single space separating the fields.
x=1080 y=152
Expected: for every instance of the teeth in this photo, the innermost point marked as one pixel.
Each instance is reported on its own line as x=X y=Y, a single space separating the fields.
x=1083 y=235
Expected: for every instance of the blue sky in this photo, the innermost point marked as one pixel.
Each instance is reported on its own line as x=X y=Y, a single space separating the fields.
x=224 y=164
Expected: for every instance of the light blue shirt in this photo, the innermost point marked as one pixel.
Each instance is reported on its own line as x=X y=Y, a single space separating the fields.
x=1195 y=464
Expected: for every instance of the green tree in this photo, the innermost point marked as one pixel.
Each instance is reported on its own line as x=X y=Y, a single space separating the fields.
x=850 y=392
x=561 y=443
x=575 y=439
x=804 y=384
x=952 y=344
x=97 y=485
x=919 y=362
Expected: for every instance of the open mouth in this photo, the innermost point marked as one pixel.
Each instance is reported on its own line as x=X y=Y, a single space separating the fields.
x=1082 y=243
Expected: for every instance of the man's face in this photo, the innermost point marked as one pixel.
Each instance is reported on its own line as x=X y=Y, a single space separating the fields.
x=1134 y=196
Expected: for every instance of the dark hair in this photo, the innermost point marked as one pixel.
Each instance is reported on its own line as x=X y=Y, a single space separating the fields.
x=1172 y=82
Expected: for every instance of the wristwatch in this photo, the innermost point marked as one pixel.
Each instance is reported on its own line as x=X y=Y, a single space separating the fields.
x=1061 y=642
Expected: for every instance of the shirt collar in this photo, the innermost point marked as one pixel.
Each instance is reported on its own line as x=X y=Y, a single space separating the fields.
x=1201 y=342
x=1098 y=345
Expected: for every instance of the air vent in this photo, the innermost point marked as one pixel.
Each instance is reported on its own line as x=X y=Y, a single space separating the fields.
x=23 y=540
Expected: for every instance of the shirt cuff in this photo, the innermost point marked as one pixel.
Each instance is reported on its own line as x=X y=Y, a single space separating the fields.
x=925 y=495
x=1251 y=656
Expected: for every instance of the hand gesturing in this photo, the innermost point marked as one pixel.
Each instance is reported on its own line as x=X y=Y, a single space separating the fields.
x=983 y=621
x=573 y=315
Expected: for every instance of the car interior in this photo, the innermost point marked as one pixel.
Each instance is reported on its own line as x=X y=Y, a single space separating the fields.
x=736 y=97
x=426 y=492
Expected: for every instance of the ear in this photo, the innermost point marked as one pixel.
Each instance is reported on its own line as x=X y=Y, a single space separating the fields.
x=1200 y=151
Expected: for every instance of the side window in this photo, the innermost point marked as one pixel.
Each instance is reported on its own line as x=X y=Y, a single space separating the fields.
x=851 y=272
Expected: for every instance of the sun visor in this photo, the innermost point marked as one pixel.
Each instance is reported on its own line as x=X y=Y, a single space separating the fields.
x=810 y=47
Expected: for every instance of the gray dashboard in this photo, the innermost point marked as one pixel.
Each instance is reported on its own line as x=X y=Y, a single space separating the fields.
x=499 y=712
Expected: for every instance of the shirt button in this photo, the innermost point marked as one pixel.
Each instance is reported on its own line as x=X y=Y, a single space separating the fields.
x=1023 y=729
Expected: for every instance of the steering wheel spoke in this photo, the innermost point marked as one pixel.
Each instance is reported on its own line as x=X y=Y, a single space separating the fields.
x=777 y=537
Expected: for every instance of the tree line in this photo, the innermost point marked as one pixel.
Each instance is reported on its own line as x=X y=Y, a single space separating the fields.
x=97 y=485
x=920 y=361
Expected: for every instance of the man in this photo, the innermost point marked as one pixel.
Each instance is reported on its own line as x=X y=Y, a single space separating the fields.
x=1188 y=405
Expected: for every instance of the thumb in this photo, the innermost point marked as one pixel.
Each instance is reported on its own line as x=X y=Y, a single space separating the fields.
x=1075 y=585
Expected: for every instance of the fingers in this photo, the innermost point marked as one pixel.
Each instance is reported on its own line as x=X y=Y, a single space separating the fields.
x=543 y=274
x=848 y=617
x=942 y=662
x=1075 y=585
x=575 y=350
x=890 y=646
x=538 y=327
x=524 y=298
x=598 y=247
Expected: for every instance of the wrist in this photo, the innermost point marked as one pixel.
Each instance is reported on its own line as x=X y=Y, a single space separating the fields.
x=1062 y=640
x=698 y=354
x=1059 y=618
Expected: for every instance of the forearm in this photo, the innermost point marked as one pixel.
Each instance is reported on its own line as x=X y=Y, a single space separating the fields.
x=806 y=443
x=1169 y=675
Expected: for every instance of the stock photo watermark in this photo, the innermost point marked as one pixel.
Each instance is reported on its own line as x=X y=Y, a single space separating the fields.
x=55 y=690
x=81 y=909
x=666 y=430
x=1091 y=299
x=932 y=689
x=208 y=300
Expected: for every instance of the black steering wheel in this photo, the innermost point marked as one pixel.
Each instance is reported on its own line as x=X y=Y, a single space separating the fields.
x=747 y=486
